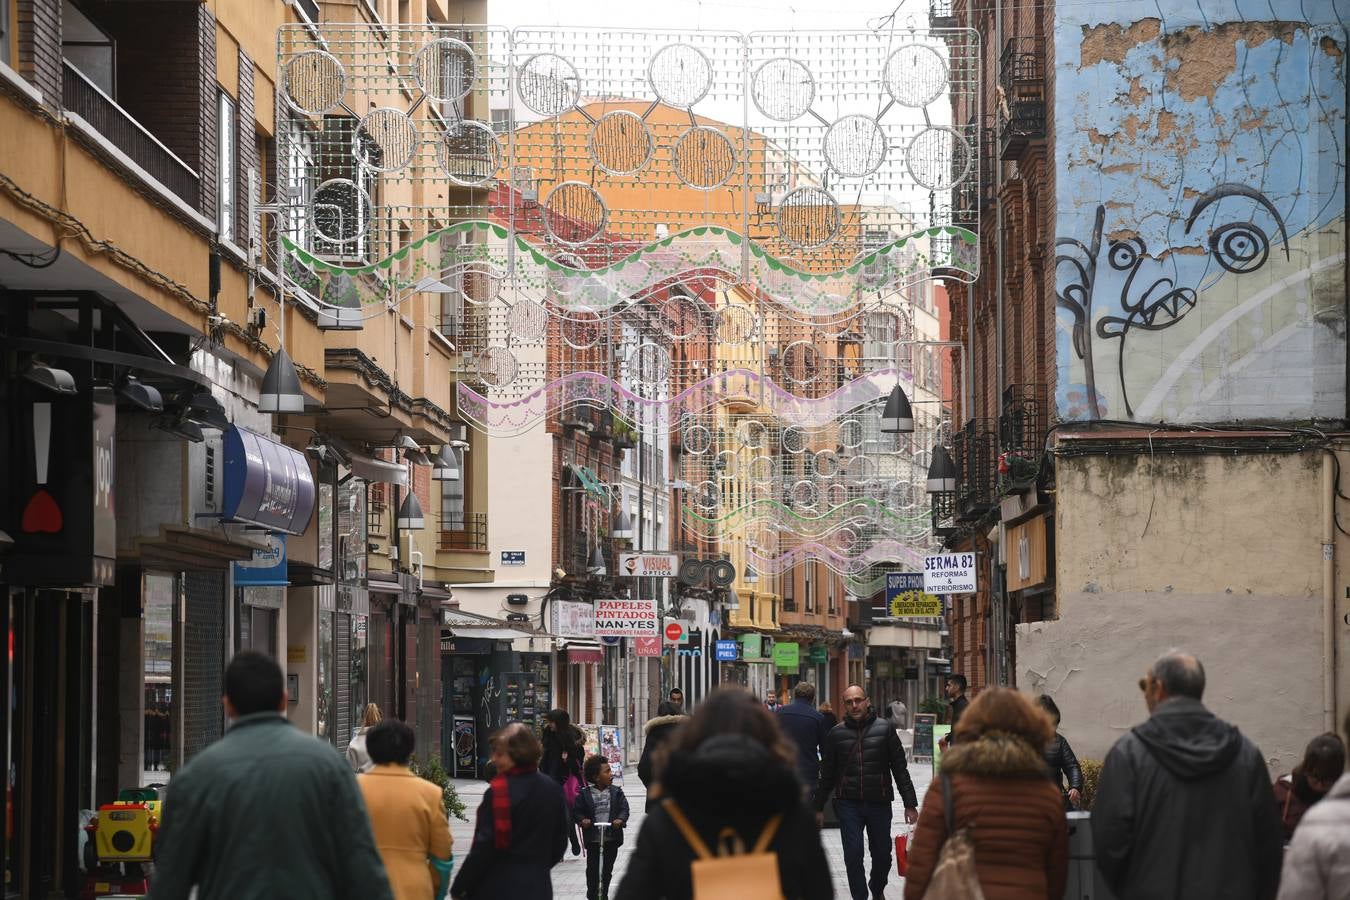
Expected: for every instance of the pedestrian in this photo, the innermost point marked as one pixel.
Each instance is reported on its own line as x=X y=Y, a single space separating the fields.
x=407 y=814
x=1183 y=808
x=676 y=696
x=601 y=801
x=357 y=757
x=955 y=687
x=860 y=757
x=521 y=829
x=564 y=754
x=730 y=776
x=806 y=729
x=995 y=771
x=898 y=713
x=1295 y=793
x=1060 y=759
x=267 y=810
x=771 y=701
x=827 y=711
x=1317 y=862
x=658 y=732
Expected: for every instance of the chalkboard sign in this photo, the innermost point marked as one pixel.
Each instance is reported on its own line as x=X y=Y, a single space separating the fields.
x=923 y=735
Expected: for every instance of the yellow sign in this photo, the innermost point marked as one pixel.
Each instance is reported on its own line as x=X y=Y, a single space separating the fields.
x=295 y=653
x=915 y=603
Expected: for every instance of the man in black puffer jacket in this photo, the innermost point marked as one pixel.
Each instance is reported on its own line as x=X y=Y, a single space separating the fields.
x=860 y=757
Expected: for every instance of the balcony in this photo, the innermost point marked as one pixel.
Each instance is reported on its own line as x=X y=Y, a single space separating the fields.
x=1021 y=435
x=464 y=533
x=941 y=14
x=82 y=97
x=976 y=192
x=975 y=452
x=1021 y=110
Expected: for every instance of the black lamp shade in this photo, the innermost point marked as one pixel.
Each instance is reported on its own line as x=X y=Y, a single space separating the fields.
x=204 y=409
x=143 y=395
x=281 y=391
x=898 y=416
x=445 y=467
x=410 y=514
x=623 y=526
x=598 y=561
x=941 y=472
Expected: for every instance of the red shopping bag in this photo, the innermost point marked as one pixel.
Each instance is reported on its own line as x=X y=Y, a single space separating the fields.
x=902 y=853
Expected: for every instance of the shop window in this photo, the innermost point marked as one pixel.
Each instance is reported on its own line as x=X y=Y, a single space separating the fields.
x=324 y=695
x=159 y=602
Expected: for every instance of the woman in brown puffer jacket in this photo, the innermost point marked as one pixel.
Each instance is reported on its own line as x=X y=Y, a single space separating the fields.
x=1000 y=791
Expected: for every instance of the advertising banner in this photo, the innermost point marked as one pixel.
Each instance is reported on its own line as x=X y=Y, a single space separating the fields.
x=626 y=618
x=905 y=596
x=572 y=619
x=949 y=573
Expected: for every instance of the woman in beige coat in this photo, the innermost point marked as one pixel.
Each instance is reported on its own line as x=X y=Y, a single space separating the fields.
x=406 y=813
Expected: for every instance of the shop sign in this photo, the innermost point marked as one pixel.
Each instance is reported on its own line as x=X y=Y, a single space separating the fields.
x=625 y=618
x=572 y=619
x=646 y=646
x=949 y=573
x=266 y=568
x=728 y=651
x=787 y=655
x=649 y=565
x=905 y=596
x=675 y=632
x=752 y=646
x=819 y=654
x=266 y=484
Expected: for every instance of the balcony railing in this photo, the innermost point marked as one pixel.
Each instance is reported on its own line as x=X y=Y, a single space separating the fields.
x=467 y=532
x=941 y=14
x=943 y=507
x=1021 y=434
x=975 y=452
x=1021 y=112
x=83 y=98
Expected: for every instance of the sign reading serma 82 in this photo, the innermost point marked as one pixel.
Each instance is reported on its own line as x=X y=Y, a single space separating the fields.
x=949 y=573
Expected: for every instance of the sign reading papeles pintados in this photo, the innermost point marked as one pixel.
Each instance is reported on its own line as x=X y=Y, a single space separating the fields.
x=649 y=565
x=626 y=618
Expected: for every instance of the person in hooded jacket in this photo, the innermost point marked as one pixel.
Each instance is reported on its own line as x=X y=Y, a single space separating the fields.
x=564 y=756
x=1317 y=862
x=1184 y=807
x=730 y=767
x=996 y=773
x=1061 y=760
x=658 y=731
x=1295 y=793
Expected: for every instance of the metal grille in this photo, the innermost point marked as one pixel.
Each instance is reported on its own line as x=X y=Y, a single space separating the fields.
x=203 y=660
x=342 y=714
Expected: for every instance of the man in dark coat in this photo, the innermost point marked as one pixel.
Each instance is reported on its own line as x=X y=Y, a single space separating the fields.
x=806 y=727
x=521 y=829
x=860 y=757
x=1184 y=806
x=658 y=731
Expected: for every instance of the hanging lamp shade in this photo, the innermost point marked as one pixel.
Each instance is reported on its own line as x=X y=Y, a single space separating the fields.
x=623 y=526
x=898 y=416
x=598 y=561
x=445 y=467
x=410 y=514
x=751 y=576
x=281 y=392
x=941 y=472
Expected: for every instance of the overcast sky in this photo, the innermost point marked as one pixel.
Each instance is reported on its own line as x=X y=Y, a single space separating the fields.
x=737 y=15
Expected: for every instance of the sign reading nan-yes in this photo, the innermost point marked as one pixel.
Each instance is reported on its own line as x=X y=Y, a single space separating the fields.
x=949 y=573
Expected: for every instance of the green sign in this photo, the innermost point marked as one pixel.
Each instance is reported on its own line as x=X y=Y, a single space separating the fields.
x=752 y=646
x=819 y=654
x=787 y=655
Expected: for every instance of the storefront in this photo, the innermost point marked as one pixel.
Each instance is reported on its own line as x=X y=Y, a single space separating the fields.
x=484 y=685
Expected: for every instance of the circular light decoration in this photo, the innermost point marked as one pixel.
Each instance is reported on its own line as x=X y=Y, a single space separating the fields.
x=445 y=69
x=845 y=539
x=479 y=284
x=527 y=320
x=704 y=158
x=851 y=434
x=836 y=495
x=804 y=494
x=855 y=146
x=735 y=325
x=808 y=218
x=620 y=143
x=574 y=213
x=793 y=439
x=496 y=366
x=315 y=82
x=697 y=439
x=468 y=153
x=761 y=470
x=548 y=84
x=860 y=468
x=684 y=316
x=938 y=158
x=581 y=331
x=707 y=496
x=783 y=89
x=751 y=433
x=385 y=140
x=340 y=211
x=826 y=463
x=680 y=75
x=916 y=75
x=649 y=364
x=801 y=363
x=726 y=464
x=902 y=496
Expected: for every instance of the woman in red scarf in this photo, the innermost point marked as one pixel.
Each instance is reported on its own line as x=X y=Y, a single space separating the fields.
x=522 y=825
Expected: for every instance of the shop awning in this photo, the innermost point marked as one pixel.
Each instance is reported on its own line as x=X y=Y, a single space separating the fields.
x=583 y=653
x=490 y=634
x=589 y=481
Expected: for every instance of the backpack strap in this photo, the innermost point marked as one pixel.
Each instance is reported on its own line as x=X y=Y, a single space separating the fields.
x=690 y=835
x=948 y=804
x=766 y=836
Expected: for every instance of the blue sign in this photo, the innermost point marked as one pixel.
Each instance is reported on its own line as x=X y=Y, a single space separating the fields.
x=513 y=557
x=728 y=651
x=266 y=484
x=267 y=568
x=610 y=640
x=899 y=582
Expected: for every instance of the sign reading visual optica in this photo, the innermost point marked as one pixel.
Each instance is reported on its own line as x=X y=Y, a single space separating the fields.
x=949 y=573
x=625 y=618
x=905 y=596
x=649 y=565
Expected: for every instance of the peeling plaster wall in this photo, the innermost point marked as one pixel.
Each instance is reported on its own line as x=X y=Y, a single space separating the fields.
x=1200 y=165
x=1218 y=555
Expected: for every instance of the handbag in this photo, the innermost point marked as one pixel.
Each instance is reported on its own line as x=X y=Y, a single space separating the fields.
x=902 y=852
x=954 y=877
x=571 y=788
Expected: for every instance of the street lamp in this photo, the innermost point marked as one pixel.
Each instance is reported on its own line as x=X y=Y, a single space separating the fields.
x=623 y=526
x=941 y=472
x=597 y=566
x=898 y=416
x=281 y=392
x=445 y=467
x=751 y=576
x=410 y=513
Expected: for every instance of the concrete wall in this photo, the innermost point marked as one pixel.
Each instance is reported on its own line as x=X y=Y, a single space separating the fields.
x=1200 y=165
x=1218 y=555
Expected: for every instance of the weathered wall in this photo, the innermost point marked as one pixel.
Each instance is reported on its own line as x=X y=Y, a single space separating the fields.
x=1218 y=555
x=1200 y=158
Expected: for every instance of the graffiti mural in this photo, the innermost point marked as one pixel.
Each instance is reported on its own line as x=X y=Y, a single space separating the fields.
x=1200 y=262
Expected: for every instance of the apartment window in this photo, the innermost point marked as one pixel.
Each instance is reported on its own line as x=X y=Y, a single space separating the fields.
x=227 y=161
x=298 y=158
x=810 y=599
x=83 y=43
x=452 y=496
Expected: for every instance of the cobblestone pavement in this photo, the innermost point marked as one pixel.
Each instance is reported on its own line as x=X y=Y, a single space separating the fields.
x=569 y=876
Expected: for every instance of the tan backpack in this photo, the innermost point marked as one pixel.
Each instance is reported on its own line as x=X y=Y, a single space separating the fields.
x=732 y=874
x=954 y=877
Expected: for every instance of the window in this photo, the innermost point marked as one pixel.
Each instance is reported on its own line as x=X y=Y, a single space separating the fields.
x=227 y=162
x=810 y=600
x=87 y=46
x=344 y=197
x=159 y=600
x=452 y=496
x=298 y=158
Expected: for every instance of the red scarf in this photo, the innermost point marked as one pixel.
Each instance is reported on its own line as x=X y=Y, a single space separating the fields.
x=501 y=806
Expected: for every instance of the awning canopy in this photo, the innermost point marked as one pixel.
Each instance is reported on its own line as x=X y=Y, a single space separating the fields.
x=589 y=481
x=490 y=634
x=583 y=653
x=372 y=469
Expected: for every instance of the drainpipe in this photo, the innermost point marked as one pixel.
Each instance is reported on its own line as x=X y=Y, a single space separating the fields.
x=1329 y=591
x=998 y=597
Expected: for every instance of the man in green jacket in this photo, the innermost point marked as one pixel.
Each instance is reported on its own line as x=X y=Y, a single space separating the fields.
x=267 y=811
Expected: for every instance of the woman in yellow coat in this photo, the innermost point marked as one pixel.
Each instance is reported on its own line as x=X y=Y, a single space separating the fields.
x=406 y=813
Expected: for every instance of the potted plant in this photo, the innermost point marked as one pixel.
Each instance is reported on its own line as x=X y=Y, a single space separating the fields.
x=625 y=436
